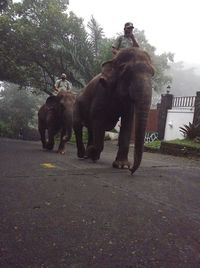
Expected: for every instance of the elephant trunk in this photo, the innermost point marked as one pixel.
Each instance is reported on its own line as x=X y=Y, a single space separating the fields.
x=141 y=117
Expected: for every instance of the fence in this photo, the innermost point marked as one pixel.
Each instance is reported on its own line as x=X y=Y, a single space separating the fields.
x=171 y=114
x=181 y=102
x=180 y=114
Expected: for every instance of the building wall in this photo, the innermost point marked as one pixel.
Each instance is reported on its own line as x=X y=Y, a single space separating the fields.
x=152 y=124
x=177 y=118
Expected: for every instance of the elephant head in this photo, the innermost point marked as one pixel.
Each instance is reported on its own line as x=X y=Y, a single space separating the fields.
x=128 y=75
x=58 y=105
x=126 y=72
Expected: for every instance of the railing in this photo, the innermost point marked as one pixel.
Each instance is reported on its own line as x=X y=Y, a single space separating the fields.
x=183 y=101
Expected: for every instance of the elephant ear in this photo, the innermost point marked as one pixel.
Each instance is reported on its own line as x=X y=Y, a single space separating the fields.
x=107 y=66
x=51 y=101
x=108 y=75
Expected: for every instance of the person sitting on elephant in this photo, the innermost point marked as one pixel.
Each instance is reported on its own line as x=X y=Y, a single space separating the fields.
x=125 y=41
x=62 y=84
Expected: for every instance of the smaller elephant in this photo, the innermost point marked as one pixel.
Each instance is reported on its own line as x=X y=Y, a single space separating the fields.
x=56 y=116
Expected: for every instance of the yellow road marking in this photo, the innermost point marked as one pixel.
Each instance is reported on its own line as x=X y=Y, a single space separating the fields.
x=48 y=165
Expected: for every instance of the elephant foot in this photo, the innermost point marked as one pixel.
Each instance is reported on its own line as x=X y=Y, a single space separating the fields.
x=121 y=164
x=44 y=144
x=81 y=153
x=92 y=153
x=60 y=151
x=49 y=147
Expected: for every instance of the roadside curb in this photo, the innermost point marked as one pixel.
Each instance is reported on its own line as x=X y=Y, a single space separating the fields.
x=179 y=150
x=174 y=149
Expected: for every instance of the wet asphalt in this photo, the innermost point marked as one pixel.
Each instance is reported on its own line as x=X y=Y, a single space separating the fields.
x=58 y=211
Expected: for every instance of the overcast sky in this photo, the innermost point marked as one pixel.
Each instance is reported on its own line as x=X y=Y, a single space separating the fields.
x=169 y=25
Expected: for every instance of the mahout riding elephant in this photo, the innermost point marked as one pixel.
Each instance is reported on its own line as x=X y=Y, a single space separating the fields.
x=56 y=116
x=123 y=89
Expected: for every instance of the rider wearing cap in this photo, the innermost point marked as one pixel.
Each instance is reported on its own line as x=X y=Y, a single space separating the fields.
x=62 y=84
x=126 y=40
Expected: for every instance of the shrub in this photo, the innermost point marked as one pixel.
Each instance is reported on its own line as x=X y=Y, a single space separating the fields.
x=190 y=131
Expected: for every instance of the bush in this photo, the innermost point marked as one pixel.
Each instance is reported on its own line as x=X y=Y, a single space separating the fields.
x=154 y=145
x=190 y=131
x=31 y=134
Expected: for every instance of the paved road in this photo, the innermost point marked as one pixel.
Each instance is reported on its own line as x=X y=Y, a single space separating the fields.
x=58 y=211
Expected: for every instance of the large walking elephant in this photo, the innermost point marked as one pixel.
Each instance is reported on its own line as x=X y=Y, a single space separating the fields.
x=56 y=116
x=123 y=89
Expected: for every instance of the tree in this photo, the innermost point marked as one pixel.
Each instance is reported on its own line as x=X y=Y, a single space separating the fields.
x=4 y=4
x=96 y=35
x=17 y=109
x=46 y=41
x=100 y=45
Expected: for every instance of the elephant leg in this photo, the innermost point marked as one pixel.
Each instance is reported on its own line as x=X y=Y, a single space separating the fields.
x=65 y=136
x=94 y=150
x=89 y=142
x=78 y=131
x=121 y=160
x=50 y=143
x=42 y=136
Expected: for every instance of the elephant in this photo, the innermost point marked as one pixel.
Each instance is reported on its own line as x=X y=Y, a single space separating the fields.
x=122 y=89
x=56 y=116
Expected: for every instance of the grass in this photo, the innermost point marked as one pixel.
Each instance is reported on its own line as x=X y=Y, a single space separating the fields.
x=155 y=145
x=73 y=139
x=186 y=142
x=85 y=137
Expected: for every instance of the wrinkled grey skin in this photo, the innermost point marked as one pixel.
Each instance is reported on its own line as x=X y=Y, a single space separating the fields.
x=56 y=116
x=123 y=89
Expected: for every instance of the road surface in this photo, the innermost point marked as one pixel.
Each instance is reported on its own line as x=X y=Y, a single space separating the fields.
x=58 y=211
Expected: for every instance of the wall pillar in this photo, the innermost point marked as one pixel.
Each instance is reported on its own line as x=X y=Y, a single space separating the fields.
x=196 y=118
x=166 y=103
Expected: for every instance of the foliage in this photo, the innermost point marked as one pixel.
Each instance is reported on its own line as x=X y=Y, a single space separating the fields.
x=17 y=109
x=46 y=41
x=4 y=4
x=190 y=131
x=155 y=145
x=41 y=39
x=73 y=139
x=4 y=130
x=96 y=35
